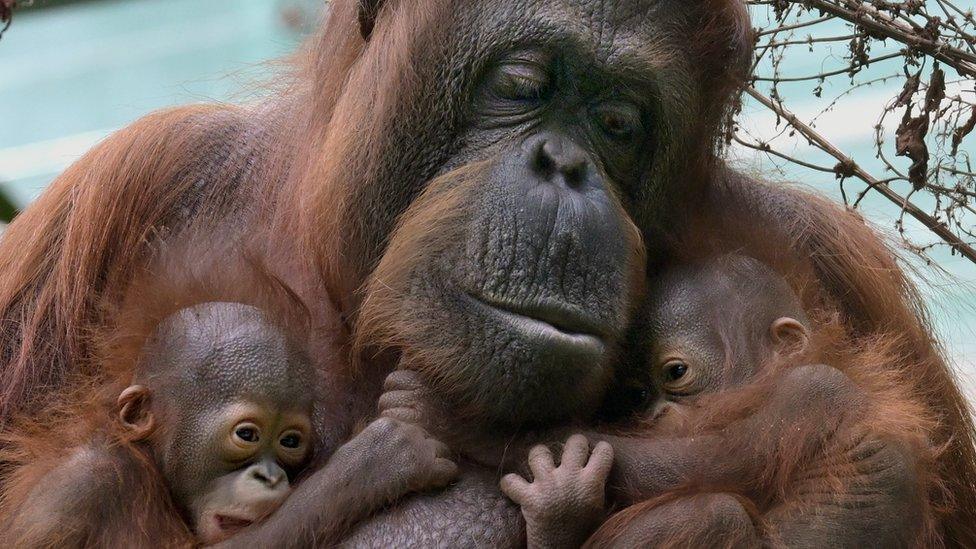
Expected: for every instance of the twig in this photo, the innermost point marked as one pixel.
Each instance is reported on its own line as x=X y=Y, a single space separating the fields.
x=852 y=168
x=963 y=61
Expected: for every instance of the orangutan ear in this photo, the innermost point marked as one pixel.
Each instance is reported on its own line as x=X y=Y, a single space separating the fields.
x=134 y=412
x=368 y=11
x=789 y=336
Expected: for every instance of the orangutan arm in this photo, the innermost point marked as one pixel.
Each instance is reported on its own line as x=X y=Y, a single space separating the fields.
x=833 y=480
x=57 y=511
x=645 y=468
x=93 y=496
x=863 y=496
x=798 y=419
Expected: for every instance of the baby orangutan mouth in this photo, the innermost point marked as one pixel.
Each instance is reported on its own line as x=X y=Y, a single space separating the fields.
x=229 y=525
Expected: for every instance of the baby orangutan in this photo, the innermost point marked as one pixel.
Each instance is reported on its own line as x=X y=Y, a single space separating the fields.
x=206 y=442
x=751 y=442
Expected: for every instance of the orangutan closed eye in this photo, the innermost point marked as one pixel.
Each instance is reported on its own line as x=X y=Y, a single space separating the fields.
x=207 y=442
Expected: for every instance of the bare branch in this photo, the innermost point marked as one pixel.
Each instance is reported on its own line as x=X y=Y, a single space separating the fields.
x=877 y=24
x=847 y=166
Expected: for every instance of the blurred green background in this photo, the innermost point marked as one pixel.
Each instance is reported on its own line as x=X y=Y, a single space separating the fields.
x=71 y=72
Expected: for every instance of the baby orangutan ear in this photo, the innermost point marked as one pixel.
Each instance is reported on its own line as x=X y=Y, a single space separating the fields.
x=134 y=412
x=789 y=336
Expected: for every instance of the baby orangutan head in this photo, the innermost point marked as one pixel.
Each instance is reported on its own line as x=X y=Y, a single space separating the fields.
x=223 y=399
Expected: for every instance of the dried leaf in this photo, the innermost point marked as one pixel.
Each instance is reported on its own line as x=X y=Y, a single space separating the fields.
x=860 y=54
x=962 y=131
x=909 y=91
x=936 y=92
x=844 y=170
x=779 y=8
x=910 y=142
x=931 y=30
x=912 y=7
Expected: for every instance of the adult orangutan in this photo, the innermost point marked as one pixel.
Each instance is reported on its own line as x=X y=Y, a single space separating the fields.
x=565 y=138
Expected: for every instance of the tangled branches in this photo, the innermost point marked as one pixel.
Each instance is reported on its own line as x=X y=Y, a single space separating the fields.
x=922 y=54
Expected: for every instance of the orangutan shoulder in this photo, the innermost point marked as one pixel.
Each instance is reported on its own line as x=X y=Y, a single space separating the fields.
x=186 y=159
x=66 y=495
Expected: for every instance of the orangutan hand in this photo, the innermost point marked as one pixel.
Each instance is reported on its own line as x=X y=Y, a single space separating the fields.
x=393 y=458
x=562 y=505
x=406 y=398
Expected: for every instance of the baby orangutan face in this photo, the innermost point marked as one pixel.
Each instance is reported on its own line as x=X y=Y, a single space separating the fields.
x=224 y=400
x=713 y=326
x=244 y=471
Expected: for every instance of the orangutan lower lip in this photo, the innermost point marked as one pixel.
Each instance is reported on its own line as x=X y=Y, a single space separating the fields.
x=232 y=524
x=548 y=322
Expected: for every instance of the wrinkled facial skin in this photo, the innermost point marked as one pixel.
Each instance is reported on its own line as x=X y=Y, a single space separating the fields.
x=571 y=109
x=235 y=400
x=690 y=327
x=509 y=332
x=618 y=79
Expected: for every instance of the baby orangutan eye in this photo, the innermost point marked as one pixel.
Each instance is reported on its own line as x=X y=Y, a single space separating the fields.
x=675 y=371
x=677 y=377
x=291 y=440
x=247 y=433
x=293 y=447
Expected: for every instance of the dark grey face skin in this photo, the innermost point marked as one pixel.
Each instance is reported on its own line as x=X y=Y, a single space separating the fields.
x=575 y=108
x=237 y=397
x=537 y=318
x=617 y=79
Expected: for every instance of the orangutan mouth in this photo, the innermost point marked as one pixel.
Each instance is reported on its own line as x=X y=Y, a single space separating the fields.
x=555 y=323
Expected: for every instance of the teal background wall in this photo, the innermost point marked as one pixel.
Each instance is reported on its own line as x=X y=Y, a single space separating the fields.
x=69 y=75
x=72 y=74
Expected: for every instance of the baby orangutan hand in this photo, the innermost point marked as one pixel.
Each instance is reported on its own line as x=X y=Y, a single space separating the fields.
x=391 y=459
x=563 y=505
x=406 y=398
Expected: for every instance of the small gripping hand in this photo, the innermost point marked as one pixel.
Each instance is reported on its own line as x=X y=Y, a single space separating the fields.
x=394 y=459
x=406 y=398
x=562 y=505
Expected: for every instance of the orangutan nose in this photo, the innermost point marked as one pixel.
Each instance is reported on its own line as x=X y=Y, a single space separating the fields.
x=267 y=474
x=558 y=159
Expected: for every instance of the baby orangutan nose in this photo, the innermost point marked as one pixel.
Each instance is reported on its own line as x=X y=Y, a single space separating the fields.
x=244 y=499
x=267 y=476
